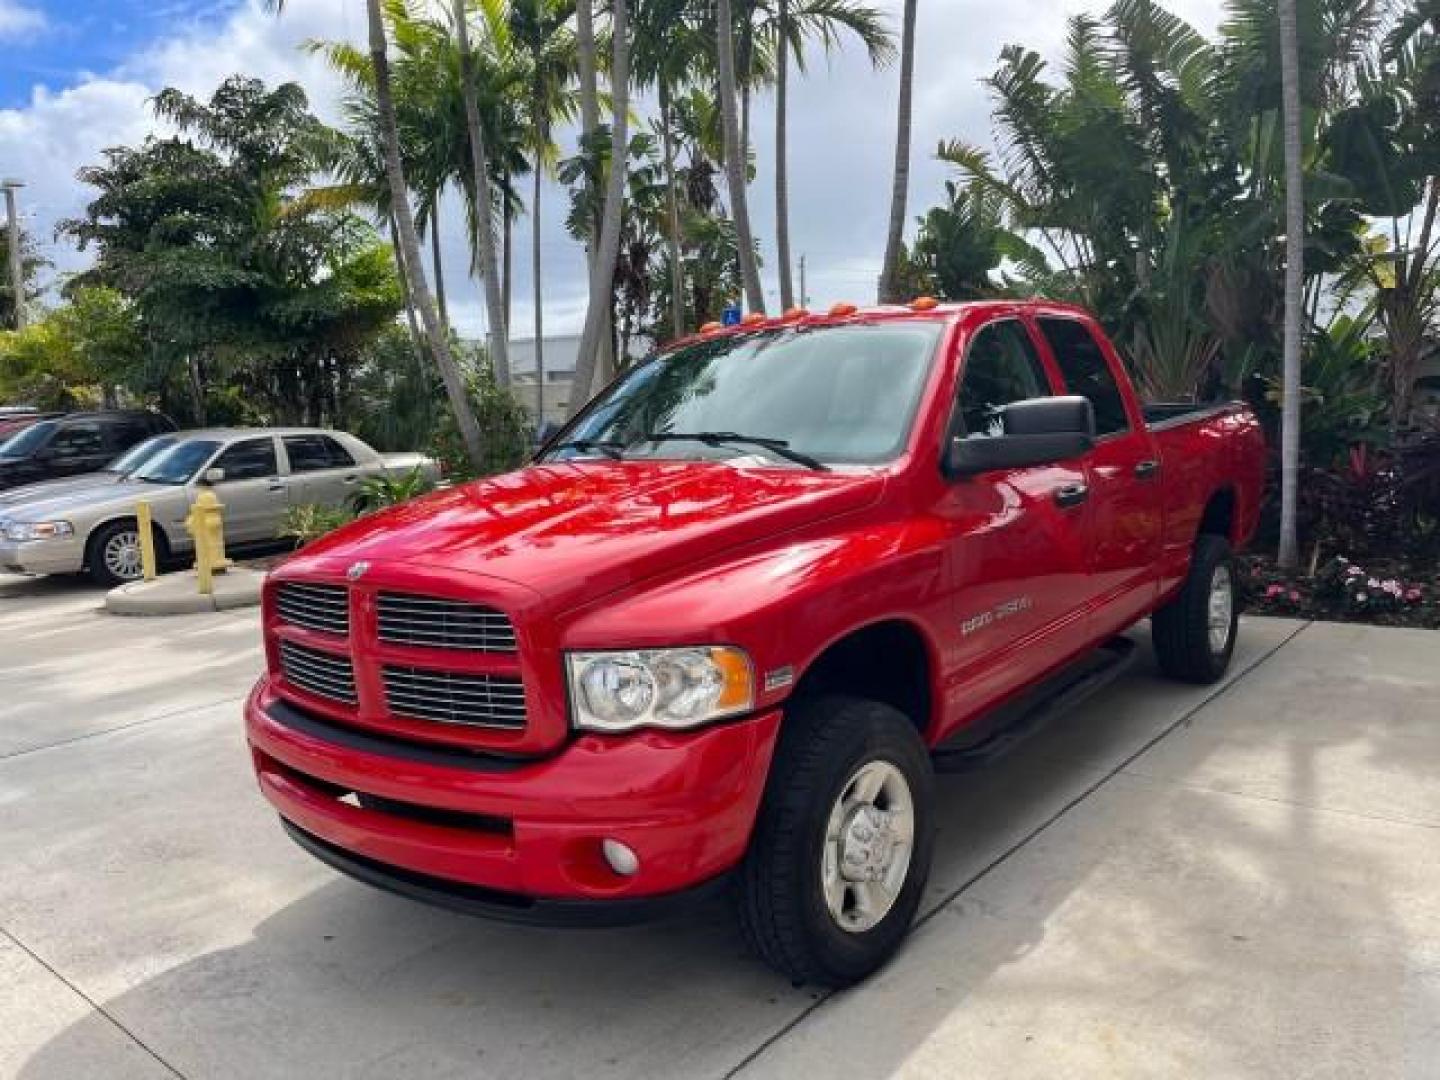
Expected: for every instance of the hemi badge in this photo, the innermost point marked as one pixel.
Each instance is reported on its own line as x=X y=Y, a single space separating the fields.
x=780 y=678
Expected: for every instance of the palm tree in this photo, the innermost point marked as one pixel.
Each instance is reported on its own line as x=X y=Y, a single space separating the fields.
x=735 y=156
x=1294 y=281
x=811 y=18
x=388 y=132
x=540 y=27
x=605 y=250
x=889 y=271
x=485 y=224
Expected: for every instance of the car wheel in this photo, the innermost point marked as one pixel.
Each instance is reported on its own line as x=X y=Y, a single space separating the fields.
x=841 y=850
x=1194 y=634
x=114 y=554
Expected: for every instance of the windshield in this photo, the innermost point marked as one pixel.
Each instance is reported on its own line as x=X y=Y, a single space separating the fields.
x=841 y=395
x=28 y=441
x=140 y=453
x=178 y=464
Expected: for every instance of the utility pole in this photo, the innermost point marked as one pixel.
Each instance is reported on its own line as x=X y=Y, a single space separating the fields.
x=17 y=272
x=804 y=296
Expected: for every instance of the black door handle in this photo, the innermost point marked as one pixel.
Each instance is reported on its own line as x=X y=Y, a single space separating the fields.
x=1147 y=470
x=1071 y=495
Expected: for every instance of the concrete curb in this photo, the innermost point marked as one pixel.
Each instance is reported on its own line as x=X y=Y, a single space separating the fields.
x=178 y=594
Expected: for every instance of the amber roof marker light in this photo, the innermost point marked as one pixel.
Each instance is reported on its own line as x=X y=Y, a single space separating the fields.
x=924 y=303
x=840 y=310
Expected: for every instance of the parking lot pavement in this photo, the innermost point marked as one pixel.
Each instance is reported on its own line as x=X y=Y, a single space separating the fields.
x=1169 y=881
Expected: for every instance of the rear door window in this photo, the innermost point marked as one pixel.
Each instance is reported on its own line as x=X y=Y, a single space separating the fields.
x=1085 y=371
x=312 y=453
x=78 y=440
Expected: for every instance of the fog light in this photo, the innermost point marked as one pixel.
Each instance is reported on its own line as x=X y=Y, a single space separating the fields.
x=622 y=859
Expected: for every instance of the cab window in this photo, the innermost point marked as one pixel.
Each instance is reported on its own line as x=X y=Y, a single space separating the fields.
x=1001 y=368
x=1085 y=371
x=253 y=459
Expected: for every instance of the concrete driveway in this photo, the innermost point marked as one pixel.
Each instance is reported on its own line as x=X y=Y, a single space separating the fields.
x=1231 y=882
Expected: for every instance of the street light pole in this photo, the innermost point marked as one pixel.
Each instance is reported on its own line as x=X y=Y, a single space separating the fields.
x=17 y=272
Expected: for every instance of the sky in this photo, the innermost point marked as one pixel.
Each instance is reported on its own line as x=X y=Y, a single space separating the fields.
x=76 y=76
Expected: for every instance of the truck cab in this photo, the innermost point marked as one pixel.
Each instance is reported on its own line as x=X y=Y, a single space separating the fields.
x=729 y=624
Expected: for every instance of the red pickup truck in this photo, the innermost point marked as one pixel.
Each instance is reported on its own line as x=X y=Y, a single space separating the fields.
x=727 y=626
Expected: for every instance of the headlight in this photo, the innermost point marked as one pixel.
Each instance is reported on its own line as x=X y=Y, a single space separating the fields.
x=667 y=688
x=23 y=532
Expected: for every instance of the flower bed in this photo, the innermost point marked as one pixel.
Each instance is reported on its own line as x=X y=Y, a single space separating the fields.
x=1385 y=592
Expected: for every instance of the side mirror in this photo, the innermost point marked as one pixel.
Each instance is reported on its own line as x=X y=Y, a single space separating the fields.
x=213 y=476
x=1039 y=431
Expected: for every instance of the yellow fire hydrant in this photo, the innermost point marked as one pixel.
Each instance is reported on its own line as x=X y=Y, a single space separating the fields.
x=206 y=523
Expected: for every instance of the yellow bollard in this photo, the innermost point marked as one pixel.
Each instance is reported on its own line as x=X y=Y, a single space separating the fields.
x=206 y=523
x=147 y=539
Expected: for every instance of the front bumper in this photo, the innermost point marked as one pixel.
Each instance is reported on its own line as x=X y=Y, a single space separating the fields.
x=63 y=556
x=517 y=839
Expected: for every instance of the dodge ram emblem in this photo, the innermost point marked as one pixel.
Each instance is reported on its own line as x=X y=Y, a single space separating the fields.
x=357 y=571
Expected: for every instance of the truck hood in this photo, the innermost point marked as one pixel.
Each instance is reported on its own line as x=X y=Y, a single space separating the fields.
x=575 y=532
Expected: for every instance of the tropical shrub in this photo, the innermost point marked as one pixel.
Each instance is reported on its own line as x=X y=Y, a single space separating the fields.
x=378 y=492
x=310 y=521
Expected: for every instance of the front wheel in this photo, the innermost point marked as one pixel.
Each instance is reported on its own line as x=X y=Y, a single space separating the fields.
x=1194 y=634
x=841 y=851
x=114 y=554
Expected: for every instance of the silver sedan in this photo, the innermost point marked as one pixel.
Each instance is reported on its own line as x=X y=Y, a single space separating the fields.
x=258 y=474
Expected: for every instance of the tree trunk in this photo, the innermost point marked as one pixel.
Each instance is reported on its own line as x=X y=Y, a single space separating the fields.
x=1294 y=283
x=197 y=390
x=507 y=272
x=435 y=334
x=782 y=179
x=484 y=201
x=889 y=270
x=539 y=298
x=602 y=269
x=734 y=159
x=438 y=263
x=672 y=206
x=405 y=293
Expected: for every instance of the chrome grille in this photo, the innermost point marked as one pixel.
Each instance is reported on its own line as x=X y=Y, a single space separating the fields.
x=493 y=701
x=315 y=607
x=434 y=623
x=321 y=673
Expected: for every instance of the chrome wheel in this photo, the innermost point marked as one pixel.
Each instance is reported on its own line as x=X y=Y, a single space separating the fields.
x=1221 y=609
x=869 y=840
x=122 y=555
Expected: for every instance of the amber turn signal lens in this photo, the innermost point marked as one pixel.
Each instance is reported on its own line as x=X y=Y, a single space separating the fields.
x=739 y=691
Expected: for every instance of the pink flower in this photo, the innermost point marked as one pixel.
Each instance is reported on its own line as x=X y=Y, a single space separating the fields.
x=1412 y=595
x=1295 y=596
x=1273 y=591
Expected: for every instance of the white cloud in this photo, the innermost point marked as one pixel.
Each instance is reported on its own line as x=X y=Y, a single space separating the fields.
x=18 y=21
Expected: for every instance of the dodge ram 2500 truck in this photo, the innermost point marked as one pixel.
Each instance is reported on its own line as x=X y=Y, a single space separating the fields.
x=727 y=626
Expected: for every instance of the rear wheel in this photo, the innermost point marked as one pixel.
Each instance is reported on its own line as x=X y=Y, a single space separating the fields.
x=1194 y=634
x=842 y=848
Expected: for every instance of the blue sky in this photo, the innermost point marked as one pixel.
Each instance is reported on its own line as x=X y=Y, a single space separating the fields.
x=76 y=77
x=83 y=36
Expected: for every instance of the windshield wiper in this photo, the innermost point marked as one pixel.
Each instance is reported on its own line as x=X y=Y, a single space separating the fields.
x=609 y=447
x=778 y=447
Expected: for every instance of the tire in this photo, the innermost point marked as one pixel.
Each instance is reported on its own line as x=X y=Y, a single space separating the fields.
x=832 y=751
x=1187 y=639
x=113 y=554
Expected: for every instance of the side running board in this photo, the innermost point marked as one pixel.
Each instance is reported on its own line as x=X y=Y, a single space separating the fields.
x=1016 y=721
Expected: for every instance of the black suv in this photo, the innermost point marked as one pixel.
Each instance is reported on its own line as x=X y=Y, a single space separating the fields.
x=72 y=444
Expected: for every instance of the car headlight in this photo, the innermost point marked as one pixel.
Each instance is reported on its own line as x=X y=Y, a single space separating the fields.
x=666 y=688
x=23 y=532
